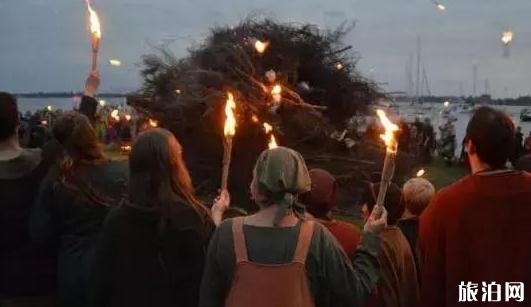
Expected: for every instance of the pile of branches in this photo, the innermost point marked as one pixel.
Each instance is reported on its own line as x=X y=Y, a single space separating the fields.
x=321 y=89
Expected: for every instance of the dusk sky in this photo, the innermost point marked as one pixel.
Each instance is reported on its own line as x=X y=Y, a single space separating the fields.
x=44 y=44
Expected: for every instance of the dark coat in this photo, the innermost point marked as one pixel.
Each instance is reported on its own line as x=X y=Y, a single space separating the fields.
x=136 y=265
x=72 y=222
x=26 y=269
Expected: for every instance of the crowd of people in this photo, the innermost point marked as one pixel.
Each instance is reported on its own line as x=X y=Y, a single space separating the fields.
x=80 y=230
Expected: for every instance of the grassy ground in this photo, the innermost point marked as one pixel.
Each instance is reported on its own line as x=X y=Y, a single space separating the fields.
x=441 y=175
x=437 y=173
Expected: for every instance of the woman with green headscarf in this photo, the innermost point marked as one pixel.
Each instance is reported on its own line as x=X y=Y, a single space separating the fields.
x=278 y=258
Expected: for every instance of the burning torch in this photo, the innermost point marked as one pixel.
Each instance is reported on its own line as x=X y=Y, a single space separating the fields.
x=229 y=131
x=390 y=154
x=272 y=141
x=95 y=31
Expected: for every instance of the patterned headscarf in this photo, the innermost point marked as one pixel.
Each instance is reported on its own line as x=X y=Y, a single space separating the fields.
x=280 y=175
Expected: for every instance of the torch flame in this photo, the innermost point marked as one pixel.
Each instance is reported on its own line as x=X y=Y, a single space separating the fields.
x=127 y=117
x=507 y=37
x=441 y=7
x=95 y=27
x=272 y=142
x=268 y=128
x=153 y=123
x=260 y=46
x=421 y=173
x=390 y=128
x=255 y=119
x=230 y=121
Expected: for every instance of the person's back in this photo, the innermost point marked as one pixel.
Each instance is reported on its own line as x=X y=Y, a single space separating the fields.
x=152 y=248
x=73 y=202
x=26 y=269
x=347 y=235
x=72 y=221
x=135 y=265
x=76 y=219
x=251 y=277
x=261 y=260
x=276 y=246
x=398 y=285
x=479 y=230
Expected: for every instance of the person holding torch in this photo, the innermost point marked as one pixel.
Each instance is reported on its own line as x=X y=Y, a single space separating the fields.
x=277 y=257
x=89 y=105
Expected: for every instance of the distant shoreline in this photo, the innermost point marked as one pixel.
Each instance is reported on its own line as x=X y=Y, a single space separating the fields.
x=66 y=95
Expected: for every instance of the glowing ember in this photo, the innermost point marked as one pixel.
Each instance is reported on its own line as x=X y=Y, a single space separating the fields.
x=153 y=123
x=127 y=117
x=255 y=119
x=260 y=46
x=44 y=122
x=49 y=108
x=390 y=128
x=230 y=121
x=339 y=65
x=268 y=128
x=178 y=92
x=507 y=37
x=441 y=7
x=421 y=173
x=115 y=62
x=272 y=142
x=95 y=27
x=102 y=102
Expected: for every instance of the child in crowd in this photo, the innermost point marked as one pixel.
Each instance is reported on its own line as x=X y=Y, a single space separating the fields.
x=418 y=193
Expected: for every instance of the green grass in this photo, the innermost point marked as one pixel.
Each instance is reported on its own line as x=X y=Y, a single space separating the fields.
x=441 y=175
x=437 y=173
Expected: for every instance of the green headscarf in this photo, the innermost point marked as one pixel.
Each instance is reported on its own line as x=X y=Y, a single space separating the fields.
x=280 y=175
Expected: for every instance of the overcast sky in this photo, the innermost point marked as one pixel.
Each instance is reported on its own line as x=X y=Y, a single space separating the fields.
x=44 y=44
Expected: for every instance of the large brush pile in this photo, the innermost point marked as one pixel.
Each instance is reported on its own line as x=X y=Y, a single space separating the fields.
x=321 y=89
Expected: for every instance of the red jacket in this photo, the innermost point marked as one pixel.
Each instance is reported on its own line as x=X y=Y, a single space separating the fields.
x=477 y=230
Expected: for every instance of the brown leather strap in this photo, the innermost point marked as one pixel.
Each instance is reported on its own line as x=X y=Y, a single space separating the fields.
x=240 y=248
x=305 y=239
